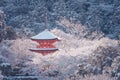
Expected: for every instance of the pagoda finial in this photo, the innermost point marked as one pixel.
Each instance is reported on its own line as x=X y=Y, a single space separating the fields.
x=46 y=18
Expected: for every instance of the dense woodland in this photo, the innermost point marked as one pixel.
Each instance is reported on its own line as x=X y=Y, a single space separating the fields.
x=90 y=46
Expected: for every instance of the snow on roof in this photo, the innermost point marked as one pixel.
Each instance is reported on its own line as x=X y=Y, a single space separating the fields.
x=45 y=35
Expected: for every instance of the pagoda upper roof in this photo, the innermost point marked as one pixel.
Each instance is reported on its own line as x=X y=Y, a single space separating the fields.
x=45 y=35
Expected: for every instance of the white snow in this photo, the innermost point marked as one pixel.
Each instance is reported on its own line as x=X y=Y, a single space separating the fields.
x=45 y=35
x=5 y=64
x=1 y=11
x=74 y=52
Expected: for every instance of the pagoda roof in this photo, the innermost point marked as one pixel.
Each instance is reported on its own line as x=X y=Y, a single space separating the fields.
x=44 y=35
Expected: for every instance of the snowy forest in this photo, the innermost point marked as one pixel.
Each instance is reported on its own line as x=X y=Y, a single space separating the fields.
x=90 y=39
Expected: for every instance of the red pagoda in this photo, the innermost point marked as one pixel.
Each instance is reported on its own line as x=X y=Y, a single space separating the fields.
x=46 y=42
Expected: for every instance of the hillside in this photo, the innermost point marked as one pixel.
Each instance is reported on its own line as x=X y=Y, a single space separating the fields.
x=90 y=45
x=99 y=16
x=78 y=59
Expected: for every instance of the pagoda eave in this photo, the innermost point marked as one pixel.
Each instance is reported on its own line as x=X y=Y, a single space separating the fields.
x=46 y=39
x=44 y=51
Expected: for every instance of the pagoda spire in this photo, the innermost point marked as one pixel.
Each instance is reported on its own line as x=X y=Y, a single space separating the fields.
x=46 y=19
